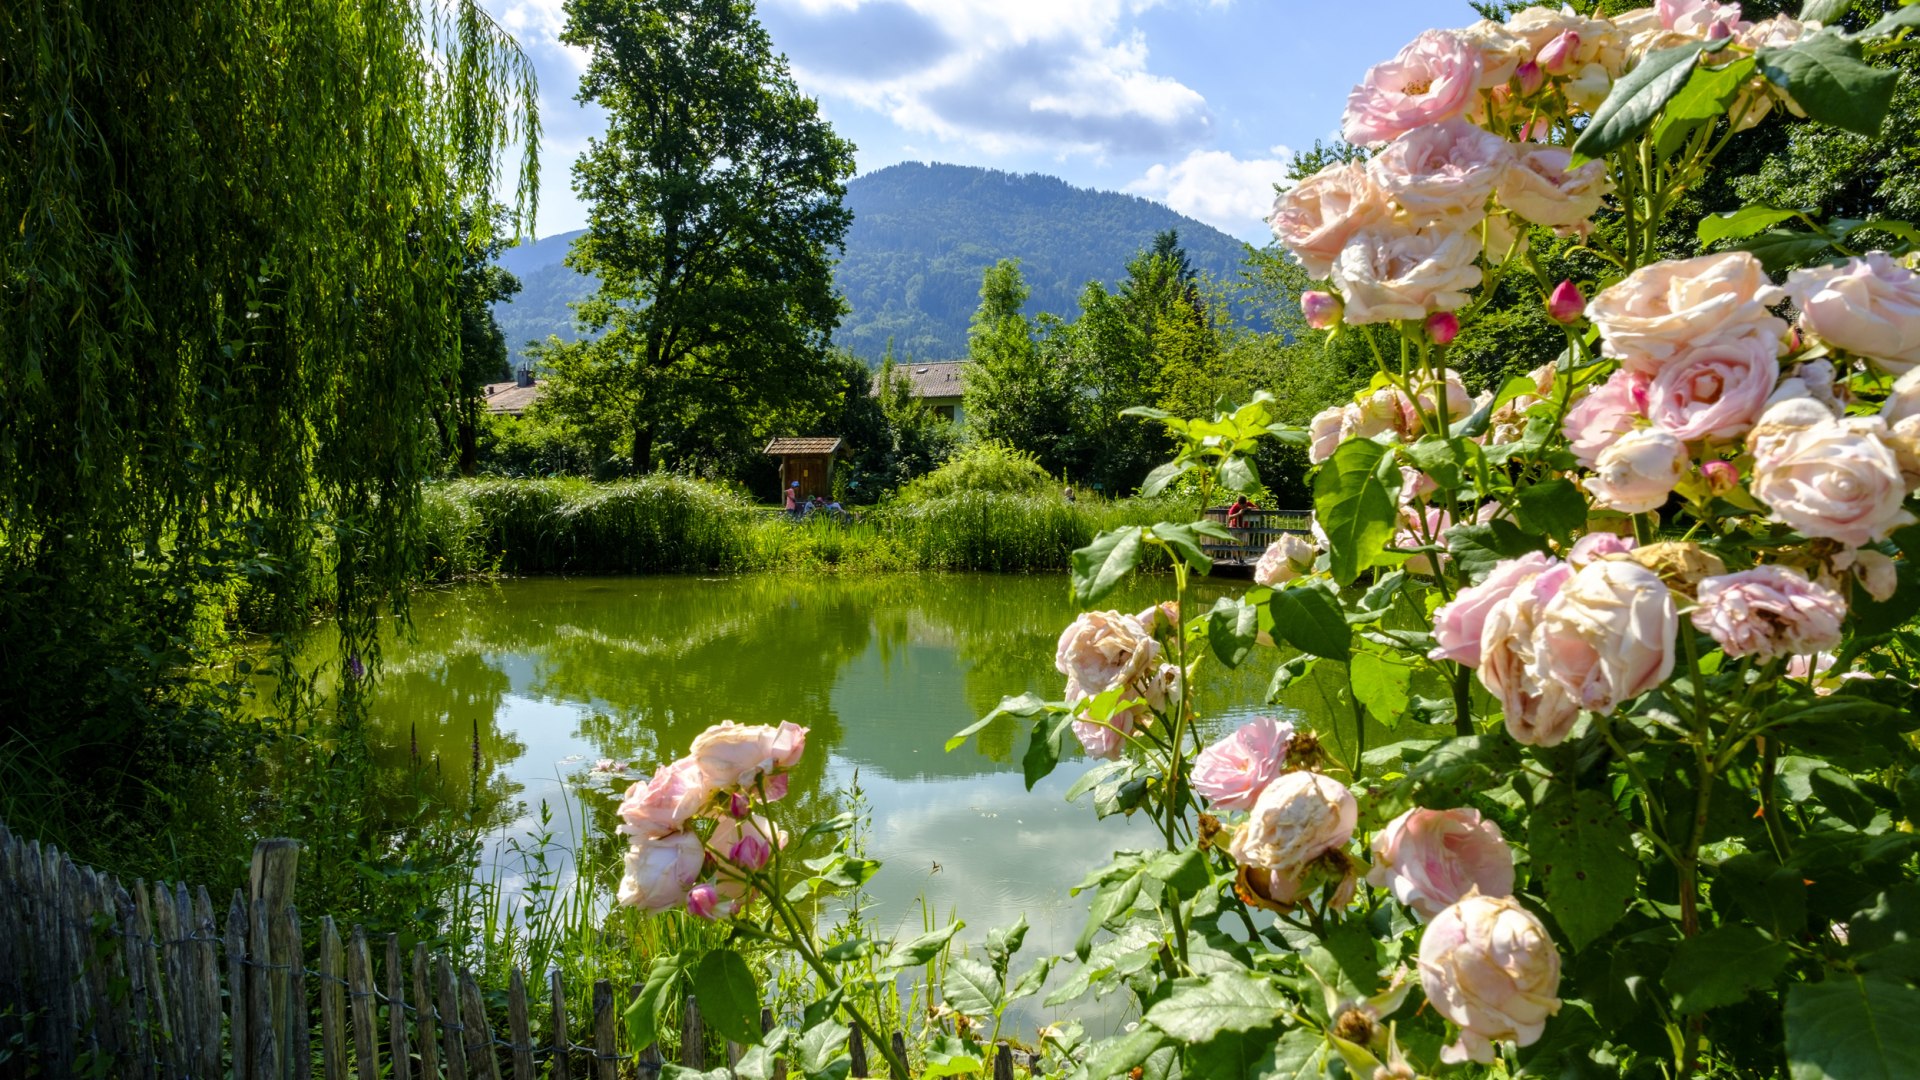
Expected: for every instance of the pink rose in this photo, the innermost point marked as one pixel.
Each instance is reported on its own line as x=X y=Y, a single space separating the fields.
x=1605 y=414
x=1488 y=965
x=1540 y=186
x=1538 y=711
x=1102 y=650
x=748 y=844
x=1285 y=559
x=1903 y=401
x=1566 y=305
x=1327 y=430
x=1638 y=472
x=1661 y=309
x=1784 y=417
x=1383 y=410
x=1816 y=670
x=1422 y=527
x=1867 y=306
x=1608 y=634
x=1769 y=611
x=1316 y=217
x=1706 y=19
x=663 y=804
x=1450 y=389
x=1715 y=391
x=1320 y=309
x=1441 y=173
x=1457 y=624
x=1234 y=771
x=1596 y=546
x=1390 y=274
x=1434 y=78
x=1298 y=817
x=735 y=755
x=1431 y=859
x=703 y=902
x=659 y=872
x=1836 y=479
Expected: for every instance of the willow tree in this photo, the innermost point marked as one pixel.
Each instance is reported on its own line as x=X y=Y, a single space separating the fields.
x=228 y=315
x=714 y=216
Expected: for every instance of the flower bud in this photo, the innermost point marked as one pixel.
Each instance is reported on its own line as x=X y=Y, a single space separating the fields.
x=751 y=852
x=774 y=787
x=738 y=804
x=1322 y=309
x=1530 y=78
x=1721 y=477
x=1557 y=56
x=1443 y=327
x=1566 y=306
x=703 y=901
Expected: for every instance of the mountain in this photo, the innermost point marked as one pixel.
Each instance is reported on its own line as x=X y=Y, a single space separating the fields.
x=921 y=237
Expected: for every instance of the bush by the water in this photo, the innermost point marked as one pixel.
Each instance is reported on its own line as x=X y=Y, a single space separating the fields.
x=983 y=467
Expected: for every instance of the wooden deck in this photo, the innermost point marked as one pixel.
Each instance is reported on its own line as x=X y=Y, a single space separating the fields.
x=1257 y=531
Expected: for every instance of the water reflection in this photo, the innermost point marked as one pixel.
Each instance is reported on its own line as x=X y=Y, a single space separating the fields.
x=542 y=677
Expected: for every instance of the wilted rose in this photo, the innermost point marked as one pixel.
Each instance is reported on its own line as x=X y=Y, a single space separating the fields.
x=1836 y=479
x=1637 y=473
x=662 y=805
x=1431 y=859
x=1233 y=772
x=1608 y=634
x=1296 y=818
x=1876 y=571
x=1662 y=309
x=1537 y=711
x=1868 y=306
x=659 y=872
x=1770 y=611
x=1391 y=274
x=1488 y=965
x=1433 y=78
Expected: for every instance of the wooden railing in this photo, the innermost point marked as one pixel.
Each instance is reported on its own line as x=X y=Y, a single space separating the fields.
x=1258 y=529
x=101 y=980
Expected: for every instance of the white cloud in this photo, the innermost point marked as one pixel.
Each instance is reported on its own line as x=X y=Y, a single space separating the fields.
x=1226 y=192
x=1062 y=76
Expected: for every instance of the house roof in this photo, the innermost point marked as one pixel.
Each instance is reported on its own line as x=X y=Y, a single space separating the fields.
x=510 y=397
x=821 y=445
x=945 y=379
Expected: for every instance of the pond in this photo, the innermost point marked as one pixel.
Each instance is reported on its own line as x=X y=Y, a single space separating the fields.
x=515 y=690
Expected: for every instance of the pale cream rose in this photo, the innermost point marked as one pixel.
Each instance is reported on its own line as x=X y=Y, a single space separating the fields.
x=1637 y=472
x=1102 y=650
x=660 y=871
x=1784 y=417
x=1608 y=634
x=1441 y=173
x=1837 y=479
x=1316 y=217
x=1501 y=51
x=1587 y=89
x=1297 y=817
x=1488 y=965
x=1904 y=400
x=1869 y=307
x=1542 y=187
x=1756 y=98
x=1287 y=558
x=1659 y=310
x=1389 y=274
x=733 y=755
x=1326 y=431
x=1536 y=711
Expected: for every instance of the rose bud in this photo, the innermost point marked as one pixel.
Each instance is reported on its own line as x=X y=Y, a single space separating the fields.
x=703 y=902
x=1322 y=309
x=1530 y=78
x=751 y=852
x=1721 y=476
x=738 y=805
x=1566 y=306
x=1557 y=56
x=1443 y=327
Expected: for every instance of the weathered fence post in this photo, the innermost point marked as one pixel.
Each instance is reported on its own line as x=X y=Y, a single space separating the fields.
x=397 y=1013
x=857 y=1050
x=900 y=1051
x=451 y=1028
x=360 y=1006
x=557 y=992
x=1003 y=1062
x=269 y=983
x=693 y=1036
x=423 y=1001
x=517 y=1026
x=333 y=1010
x=603 y=1048
x=473 y=1014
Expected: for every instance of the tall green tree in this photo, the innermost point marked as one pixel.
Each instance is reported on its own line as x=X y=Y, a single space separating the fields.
x=714 y=216
x=1018 y=389
x=228 y=288
x=483 y=346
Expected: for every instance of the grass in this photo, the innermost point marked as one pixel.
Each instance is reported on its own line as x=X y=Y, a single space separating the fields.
x=669 y=524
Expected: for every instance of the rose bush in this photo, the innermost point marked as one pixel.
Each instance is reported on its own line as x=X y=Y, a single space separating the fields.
x=1633 y=627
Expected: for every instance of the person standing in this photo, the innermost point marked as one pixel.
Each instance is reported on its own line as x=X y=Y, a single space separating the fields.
x=793 y=499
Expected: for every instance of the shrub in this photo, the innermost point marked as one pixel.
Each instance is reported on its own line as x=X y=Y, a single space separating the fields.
x=985 y=467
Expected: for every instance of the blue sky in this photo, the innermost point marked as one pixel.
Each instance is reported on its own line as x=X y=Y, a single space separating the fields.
x=1193 y=103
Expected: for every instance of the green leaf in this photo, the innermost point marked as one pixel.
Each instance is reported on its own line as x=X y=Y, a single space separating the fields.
x=1162 y=475
x=1636 y=99
x=1310 y=619
x=1113 y=899
x=917 y=951
x=950 y=1056
x=1454 y=769
x=1783 y=249
x=841 y=952
x=1554 y=507
x=729 y=996
x=1704 y=99
x=821 y=1050
x=1031 y=980
x=1199 y=1009
x=1853 y=1028
x=643 y=1015
x=1381 y=683
x=1184 y=871
x=1004 y=941
x=1885 y=937
x=1479 y=548
x=1742 y=223
x=1830 y=79
x=1099 y=566
x=1023 y=706
x=1722 y=966
x=1893 y=22
x=834 y=824
x=1825 y=12
x=1263 y=1054
x=1045 y=746
x=1233 y=626
x=971 y=987
x=1120 y=1056
x=1239 y=474
x=1583 y=858
x=1185 y=543
x=1354 y=508
x=1286 y=674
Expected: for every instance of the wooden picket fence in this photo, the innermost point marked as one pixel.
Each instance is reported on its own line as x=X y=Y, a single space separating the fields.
x=99 y=980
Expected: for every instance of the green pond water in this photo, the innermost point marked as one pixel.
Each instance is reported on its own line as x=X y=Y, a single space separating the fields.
x=509 y=693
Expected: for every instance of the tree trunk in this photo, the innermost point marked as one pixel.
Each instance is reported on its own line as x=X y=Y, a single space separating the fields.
x=642 y=450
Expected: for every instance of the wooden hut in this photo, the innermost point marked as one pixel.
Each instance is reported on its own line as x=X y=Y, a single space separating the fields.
x=807 y=461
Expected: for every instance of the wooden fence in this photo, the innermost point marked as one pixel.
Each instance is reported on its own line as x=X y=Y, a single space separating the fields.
x=1257 y=530
x=98 y=980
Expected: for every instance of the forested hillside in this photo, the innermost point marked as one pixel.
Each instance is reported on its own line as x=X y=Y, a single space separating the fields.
x=922 y=236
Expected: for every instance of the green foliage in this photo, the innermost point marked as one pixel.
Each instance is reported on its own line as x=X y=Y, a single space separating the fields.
x=982 y=467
